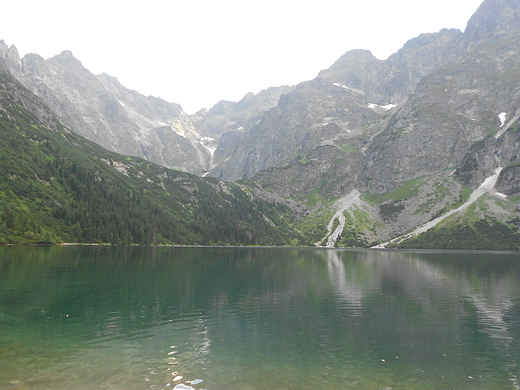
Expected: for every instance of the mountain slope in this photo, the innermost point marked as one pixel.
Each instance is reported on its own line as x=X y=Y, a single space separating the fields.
x=412 y=136
x=55 y=186
x=346 y=105
x=459 y=103
x=100 y=109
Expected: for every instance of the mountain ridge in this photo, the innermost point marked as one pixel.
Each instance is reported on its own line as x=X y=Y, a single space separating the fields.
x=363 y=153
x=99 y=108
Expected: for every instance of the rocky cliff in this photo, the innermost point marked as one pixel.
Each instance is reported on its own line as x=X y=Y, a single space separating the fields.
x=413 y=135
x=473 y=94
x=99 y=108
x=345 y=105
x=417 y=113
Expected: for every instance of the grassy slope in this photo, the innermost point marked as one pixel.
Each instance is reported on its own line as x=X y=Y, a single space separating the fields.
x=492 y=223
x=489 y=224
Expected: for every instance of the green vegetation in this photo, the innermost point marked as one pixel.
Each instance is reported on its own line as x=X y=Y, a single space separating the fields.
x=352 y=235
x=314 y=197
x=515 y=127
x=348 y=148
x=407 y=190
x=314 y=227
x=57 y=187
x=476 y=229
x=481 y=235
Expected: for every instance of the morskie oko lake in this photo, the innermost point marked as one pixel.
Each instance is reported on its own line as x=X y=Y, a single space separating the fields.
x=123 y=318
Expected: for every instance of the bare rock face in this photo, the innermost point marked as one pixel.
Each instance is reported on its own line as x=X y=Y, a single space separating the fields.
x=315 y=114
x=99 y=108
x=328 y=169
x=420 y=112
x=228 y=116
x=345 y=106
x=455 y=111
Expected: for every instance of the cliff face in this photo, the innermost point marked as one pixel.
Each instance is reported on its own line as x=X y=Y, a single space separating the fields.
x=346 y=105
x=417 y=113
x=99 y=108
x=412 y=136
x=471 y=96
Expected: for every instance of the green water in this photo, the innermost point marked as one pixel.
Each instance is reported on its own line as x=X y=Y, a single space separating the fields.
x=257 y=318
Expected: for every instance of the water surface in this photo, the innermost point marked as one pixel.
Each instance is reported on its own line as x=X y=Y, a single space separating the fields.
x=257 y=318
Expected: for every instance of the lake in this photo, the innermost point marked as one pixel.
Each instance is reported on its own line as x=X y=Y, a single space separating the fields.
x=257 y=318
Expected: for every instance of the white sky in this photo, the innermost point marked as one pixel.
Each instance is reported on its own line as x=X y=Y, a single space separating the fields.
x=197 y=52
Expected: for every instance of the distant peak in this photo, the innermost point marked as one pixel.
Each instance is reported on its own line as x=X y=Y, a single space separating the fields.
x=66 y=54
x=13 y=50
x=3 y=49
x=111 y=79
x=67 y=58
x=493 y=19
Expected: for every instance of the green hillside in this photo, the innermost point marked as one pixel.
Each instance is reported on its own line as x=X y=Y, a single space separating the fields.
x=57 y=187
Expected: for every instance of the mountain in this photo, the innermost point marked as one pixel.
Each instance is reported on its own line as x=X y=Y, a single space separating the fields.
x=456 y=105
x=55 y=186
x=100 y=109
x=420 y=150
x=398 y=142
x=343 y=106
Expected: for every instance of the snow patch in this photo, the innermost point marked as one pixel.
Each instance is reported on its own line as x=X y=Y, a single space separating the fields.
x=387 y=107
x=498 y=194
x=342 y=86
x=505 y=126
x=209 y=144
x=348 y=88
x=210 y=149
x=502 y=116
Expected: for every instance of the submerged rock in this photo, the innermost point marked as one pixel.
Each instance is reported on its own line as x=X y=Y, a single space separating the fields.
x=181 y=386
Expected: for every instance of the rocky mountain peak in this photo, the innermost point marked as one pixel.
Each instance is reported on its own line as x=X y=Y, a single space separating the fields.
x=3 y=49
x=350 y=64
x=427 y=38
x=493 y=20
x=352 y=57
x=99 y=108
x=10 y=56
x=67 y=59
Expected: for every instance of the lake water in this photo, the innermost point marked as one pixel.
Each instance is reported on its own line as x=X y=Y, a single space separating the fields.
x=257 y=318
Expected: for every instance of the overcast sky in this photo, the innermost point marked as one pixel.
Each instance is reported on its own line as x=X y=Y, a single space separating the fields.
x=197 y=52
